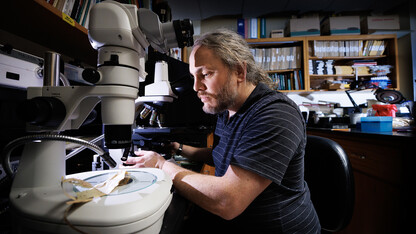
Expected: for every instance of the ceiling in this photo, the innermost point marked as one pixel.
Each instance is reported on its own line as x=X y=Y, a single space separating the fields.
x=203 y=9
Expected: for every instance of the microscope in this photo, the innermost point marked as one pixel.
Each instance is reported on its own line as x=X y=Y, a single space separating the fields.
x=121 y=34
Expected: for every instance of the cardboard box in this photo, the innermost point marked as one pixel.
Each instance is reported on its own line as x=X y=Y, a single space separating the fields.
x=341 y=25
x=377 y=124
x=309 y=26
x=277 y=33
x=386 y=22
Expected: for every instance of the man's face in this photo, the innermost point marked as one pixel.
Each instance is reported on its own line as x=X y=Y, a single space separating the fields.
x=214 y=82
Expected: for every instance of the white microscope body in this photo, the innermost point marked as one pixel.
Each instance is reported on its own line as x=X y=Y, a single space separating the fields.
x=121 y=34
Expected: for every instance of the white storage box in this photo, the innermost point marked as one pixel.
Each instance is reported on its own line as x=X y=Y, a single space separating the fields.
x=303 y=27
x=386 y=22
x=341 y=25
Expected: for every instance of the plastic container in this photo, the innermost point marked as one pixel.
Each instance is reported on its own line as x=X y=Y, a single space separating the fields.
x=377 y=124
x=385 y=110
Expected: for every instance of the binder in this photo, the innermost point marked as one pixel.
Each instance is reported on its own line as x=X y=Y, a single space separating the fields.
x=253 y=28
x=263 y=28
x=241 y=27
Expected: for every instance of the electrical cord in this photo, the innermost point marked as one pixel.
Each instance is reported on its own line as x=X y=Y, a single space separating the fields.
x=50 y=137
x=79 y=149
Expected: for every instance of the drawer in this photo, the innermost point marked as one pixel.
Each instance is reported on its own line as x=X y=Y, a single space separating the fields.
x=380 y=160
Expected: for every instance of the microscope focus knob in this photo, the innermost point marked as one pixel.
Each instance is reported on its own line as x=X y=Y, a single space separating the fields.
x=91 y=75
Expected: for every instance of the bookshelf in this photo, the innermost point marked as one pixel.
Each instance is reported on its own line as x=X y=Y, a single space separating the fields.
x=351 y=59
x=283 y=59
x=41 y=23
x=339 y=57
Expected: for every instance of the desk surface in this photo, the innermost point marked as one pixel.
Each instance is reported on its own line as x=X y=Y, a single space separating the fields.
x=399 y=135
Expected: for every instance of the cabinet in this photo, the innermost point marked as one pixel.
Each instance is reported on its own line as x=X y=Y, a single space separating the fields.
x=323 y=58
x=382 y=166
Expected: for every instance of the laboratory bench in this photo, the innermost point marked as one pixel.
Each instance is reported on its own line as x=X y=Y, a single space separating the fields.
x=383 y=164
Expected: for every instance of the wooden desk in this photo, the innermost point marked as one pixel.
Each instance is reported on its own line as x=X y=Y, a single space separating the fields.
x=384 y=185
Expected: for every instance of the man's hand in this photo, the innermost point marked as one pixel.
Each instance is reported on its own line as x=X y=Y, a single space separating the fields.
x=145 y=159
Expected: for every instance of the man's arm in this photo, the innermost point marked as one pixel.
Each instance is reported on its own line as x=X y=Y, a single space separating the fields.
x=195 y=153
x=227 y=196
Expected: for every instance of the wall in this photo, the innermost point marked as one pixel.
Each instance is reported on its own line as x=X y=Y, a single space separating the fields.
x=405 y=66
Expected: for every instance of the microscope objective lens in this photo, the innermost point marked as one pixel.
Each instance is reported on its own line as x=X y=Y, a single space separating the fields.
x=153 y=118
x=145 y=112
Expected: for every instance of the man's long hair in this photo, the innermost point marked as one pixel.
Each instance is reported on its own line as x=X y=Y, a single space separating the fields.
x=234 y=51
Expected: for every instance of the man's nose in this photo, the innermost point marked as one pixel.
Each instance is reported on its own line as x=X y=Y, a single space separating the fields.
x=198 y=85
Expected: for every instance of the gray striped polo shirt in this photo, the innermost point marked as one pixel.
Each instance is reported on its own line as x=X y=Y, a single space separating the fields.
x=267 y=136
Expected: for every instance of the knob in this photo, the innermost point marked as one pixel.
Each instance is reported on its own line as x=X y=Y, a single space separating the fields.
x=91 y=75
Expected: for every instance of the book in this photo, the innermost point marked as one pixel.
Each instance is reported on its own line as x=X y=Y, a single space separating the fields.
x=302 y=86
x=67 y=7
x=374 y=48
x=363 y=62
x=290 y=58
x=360 y=48
x=263 y=33
x=80 y=9
x=241 y=27
x=267 y=59
x=55 y=3
x=86 y=18
x=84 y=11
x=344 y=70
x=258 y=28
x=75 y=8
x=60 y=5
x=382 y=48
x=246 y=28
x=259 y=57
x=296 y=80
x=370 y=45
x=253 y=28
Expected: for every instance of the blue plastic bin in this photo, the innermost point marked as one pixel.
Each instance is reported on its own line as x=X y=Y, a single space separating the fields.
x=377 y=124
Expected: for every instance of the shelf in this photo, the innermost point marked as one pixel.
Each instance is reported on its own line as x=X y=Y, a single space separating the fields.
x=39 y=22
x=352 y=37
x=348 y=57
x=399 y=33
x=274 y=41
x=283 y=70
x=339 y=75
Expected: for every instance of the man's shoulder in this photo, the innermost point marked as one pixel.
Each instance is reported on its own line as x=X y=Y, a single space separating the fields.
x=275 y=98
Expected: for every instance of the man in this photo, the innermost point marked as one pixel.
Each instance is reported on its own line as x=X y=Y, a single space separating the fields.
x=259 y=145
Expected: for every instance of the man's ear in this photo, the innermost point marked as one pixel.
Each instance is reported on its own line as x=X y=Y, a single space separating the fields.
x=241 y=71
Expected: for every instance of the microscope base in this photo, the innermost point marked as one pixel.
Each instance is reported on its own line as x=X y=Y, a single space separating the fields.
x=137 y=207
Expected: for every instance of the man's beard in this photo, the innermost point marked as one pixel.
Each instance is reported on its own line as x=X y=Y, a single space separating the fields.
x=225 y=98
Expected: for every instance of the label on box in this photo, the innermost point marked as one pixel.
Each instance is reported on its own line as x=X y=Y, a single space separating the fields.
x=387 y=22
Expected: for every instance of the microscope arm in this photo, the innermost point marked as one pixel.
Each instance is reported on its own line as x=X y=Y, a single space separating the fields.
x=78 y=101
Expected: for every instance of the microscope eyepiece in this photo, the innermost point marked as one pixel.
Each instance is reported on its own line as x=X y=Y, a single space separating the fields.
x=43 y=111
